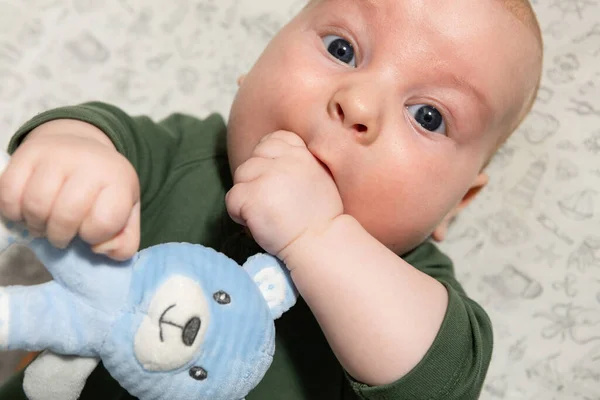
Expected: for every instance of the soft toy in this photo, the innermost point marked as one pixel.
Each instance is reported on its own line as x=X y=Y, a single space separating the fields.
x=177 y=321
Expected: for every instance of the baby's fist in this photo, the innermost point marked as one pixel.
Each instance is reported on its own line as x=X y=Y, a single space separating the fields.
x=283 y=192
x=67 y=179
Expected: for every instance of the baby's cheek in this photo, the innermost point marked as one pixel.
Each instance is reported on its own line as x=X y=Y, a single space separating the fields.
x=240 y=144
x=400 y=219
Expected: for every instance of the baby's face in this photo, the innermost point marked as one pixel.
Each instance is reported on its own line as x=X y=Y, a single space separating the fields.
x=403 y=101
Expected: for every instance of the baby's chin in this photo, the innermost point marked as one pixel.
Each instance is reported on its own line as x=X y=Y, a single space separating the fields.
x=407 y=242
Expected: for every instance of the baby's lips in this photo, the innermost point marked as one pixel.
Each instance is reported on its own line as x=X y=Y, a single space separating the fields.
x=326 y=168
x=316 y=154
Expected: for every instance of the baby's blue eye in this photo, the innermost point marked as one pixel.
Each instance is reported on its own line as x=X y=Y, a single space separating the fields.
x=428 y=117
x=341 y=49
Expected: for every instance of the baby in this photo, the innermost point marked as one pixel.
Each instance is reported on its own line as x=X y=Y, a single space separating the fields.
x=361 y=132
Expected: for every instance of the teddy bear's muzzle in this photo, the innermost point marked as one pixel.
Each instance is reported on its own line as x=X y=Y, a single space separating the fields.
x=189 y=331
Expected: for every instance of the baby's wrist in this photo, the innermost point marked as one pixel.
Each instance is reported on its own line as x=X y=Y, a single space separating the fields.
x=72 y=127
x=312 y=243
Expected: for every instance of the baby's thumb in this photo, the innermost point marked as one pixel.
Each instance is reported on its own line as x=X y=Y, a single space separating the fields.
x=126 y=243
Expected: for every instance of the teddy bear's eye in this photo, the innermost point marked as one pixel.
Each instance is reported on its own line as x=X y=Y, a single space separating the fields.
x=198 y=373
x=222 y=297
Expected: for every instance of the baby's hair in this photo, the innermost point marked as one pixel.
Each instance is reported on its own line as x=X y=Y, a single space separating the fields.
x=523 y=12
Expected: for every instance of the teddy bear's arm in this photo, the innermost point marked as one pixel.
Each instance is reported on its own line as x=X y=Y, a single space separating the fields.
x=96 y=279
x=55 y=377
x=47 y=316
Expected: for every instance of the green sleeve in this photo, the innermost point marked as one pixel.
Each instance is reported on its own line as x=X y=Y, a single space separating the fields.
x=151 y=147
x=455 y=366
x=182 y=166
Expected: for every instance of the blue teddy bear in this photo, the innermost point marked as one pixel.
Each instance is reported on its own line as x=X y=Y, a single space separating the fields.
x=177 y=321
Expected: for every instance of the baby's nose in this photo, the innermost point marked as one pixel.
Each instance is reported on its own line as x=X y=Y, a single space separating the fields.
x=358 y=112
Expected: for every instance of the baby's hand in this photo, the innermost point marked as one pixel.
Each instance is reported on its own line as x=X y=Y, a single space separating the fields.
x=67 y=179
x=283 y=192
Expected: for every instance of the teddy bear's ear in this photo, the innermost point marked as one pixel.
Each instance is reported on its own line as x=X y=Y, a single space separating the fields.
x=274 y=281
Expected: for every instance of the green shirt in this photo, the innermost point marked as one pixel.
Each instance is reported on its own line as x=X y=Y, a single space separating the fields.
x=184 y=175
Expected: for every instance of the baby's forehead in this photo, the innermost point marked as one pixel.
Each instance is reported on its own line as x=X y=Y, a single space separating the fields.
x=520 y=9
x=523 y=12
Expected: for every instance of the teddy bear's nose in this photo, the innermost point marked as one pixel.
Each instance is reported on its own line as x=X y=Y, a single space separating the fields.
x=190 y=331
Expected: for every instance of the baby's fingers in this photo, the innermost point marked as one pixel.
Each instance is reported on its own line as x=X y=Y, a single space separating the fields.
x=72 y=204
x=236 y=202
x=271 y=149
x=12 y=185
x=278 y=145
x=286 y=136
x=251 y=169
x=108 y=215
x=39 y=195
x=127 y=242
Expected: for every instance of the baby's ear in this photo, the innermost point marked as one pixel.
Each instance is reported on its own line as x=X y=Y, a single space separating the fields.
x=479 y=183
x=274 y=281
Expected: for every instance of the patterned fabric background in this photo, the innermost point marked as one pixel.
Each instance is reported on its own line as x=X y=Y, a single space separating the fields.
x=529 y=247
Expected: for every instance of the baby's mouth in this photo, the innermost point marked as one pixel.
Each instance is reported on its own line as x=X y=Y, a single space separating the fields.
x=325 y=167
x=322 y=163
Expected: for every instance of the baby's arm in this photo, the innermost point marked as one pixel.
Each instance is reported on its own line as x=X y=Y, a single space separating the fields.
x=65 y=179
x=380 y=315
